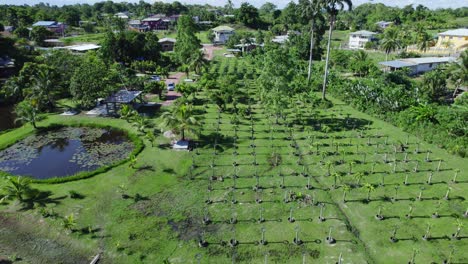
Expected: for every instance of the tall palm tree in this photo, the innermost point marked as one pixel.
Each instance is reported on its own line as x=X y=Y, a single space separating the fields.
x=391 y=41
x=198 y=62
x=459 y=71
x=333 y=7
x=311 y=10
x=181 y=120
x=425 y=41
x=43 y=85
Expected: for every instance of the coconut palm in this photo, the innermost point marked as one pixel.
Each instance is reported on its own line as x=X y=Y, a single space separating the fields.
x=69 y=222
x=370 y=188
x=459 y=70
x=17 y=188
x=180 y=120
x=311 y=10
x=425 y=41
x=358 y=176
x=346 y=189
x=332 y=7
x=198 y=62
x=391 y=41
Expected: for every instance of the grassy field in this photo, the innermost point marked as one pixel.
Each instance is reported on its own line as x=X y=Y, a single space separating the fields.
x=256 y=169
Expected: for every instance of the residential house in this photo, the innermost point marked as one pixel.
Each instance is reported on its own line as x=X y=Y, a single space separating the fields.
x=358 y=39
x=222 y=34
x=384 y=24
x=52 y=26
x=416 y=65
x=456 y=39
x=156 y=23
x=167 y=44
x=138 y=26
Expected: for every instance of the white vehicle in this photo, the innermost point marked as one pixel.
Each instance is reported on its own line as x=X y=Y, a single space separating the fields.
x=170 y=86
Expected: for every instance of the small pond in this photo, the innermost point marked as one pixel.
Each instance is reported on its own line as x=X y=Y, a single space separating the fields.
x=65 y=151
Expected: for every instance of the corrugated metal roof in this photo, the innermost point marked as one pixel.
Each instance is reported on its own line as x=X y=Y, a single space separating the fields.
x=363 y=33
x=396 y=64
x=223 y=28
x=44 y=23
x=460 y=32
x=167 y=40
x=416 y=61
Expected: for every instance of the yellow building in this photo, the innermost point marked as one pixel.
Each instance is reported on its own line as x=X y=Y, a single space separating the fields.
x=455 y=40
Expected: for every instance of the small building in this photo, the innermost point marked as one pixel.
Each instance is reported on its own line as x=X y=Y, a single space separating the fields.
x=358 y=39
x=456 y=39
x=138 y=26
x=222 y=34
x=167 y=44
x=384 y=24
x=156 y=23
x=115 y=101
x=280 y=39
x=416 y=65
x=52 y=26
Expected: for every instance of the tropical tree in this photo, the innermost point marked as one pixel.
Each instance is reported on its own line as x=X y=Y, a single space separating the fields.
x=18 y=188
x=369 y=188
x=187 y=42
x=198 y=62
x=180 y=120
x=69 y=222
x=425 y=41
x=458 y=71
x=151 y=137
x=311 y=9
x=27 y=112
x=333 y=7
x=391 y=41
x=346 y=189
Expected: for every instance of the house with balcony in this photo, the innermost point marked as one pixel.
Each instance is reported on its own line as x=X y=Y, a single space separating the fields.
x=358 y=39
x=156 y=23
x=222 y=34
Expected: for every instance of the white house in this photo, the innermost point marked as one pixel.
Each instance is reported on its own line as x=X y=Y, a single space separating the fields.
x=222 y=34
x=358 y=39
x=416 y=65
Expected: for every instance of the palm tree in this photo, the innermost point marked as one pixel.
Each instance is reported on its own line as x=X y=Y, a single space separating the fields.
x=151 y=138
x=69 y=222
x=181 y=120
x=459 y=71
x=391 y=41
x=198 y=62
x=369 y=187
x=26 y=111
x=425 y=41
x=346 y=189
x=311 y=10
x=333 y=7
x=18 y=188
x=43 y=85
x=358 y=176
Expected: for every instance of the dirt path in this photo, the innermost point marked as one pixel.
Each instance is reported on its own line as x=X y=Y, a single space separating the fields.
x=209 y=50
x=173 y=95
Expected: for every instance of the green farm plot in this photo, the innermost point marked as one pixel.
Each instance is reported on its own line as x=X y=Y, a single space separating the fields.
x=312 y=186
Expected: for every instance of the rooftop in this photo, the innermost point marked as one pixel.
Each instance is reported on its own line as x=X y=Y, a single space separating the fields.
x=223 y=28
x=82 y=47
x=460 y=32
x=416 y=61
x=44 y=23
x=167 y=40
x=123 y=96
x=363 y=33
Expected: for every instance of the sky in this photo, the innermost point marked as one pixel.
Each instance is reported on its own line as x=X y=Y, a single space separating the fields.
x=280 y=3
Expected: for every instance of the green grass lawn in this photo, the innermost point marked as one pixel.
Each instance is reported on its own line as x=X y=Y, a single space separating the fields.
x=92 y=38
x=161 y=217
